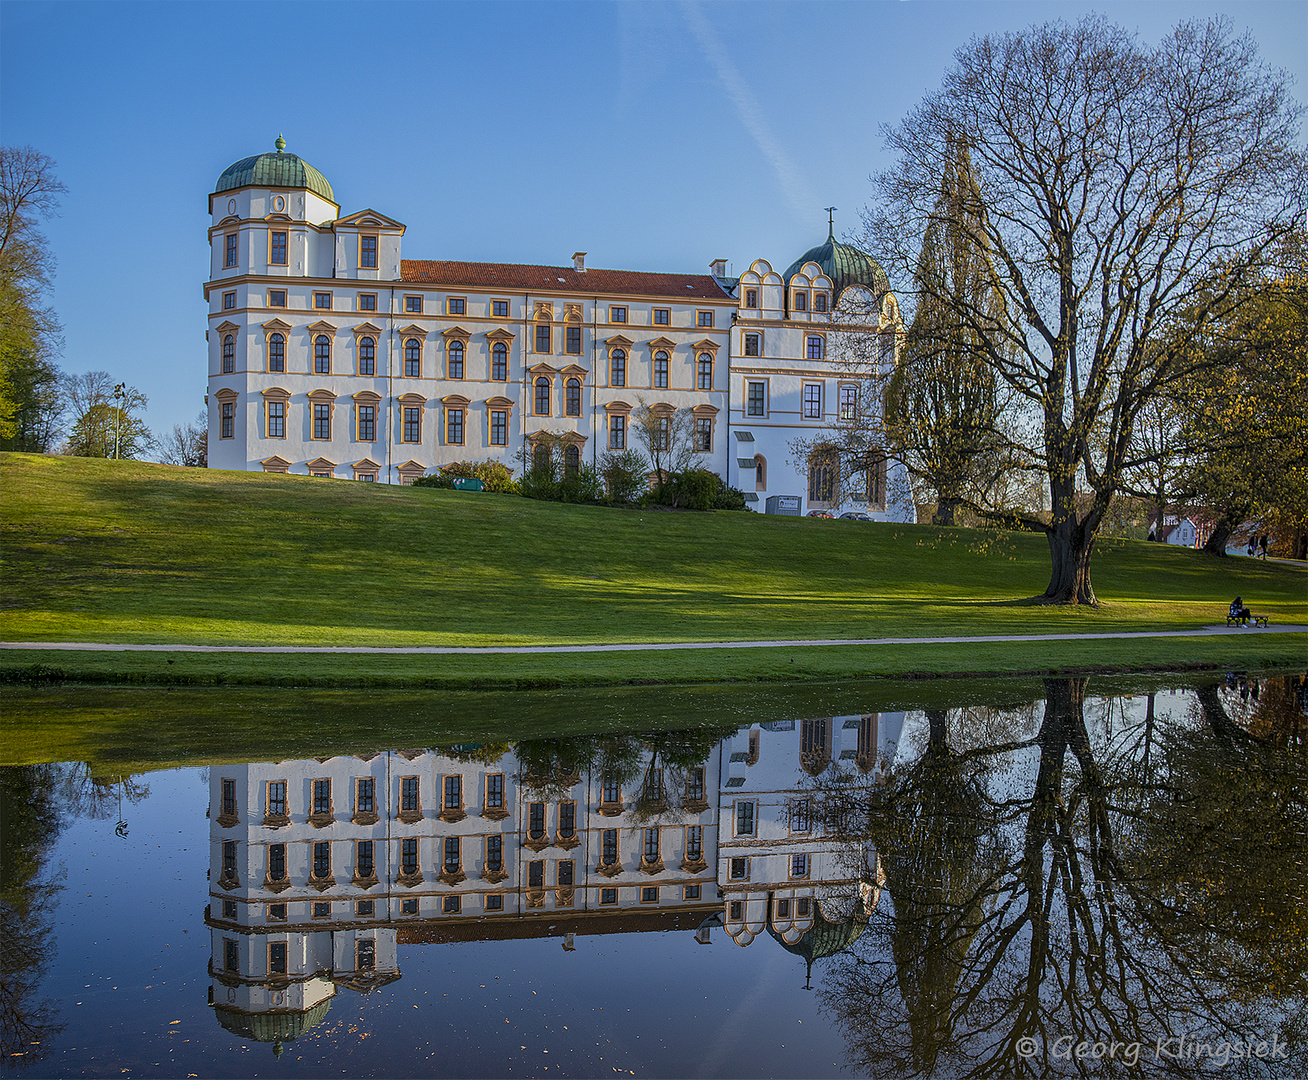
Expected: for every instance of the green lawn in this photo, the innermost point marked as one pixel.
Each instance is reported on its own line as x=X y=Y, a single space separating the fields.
x=120 y=551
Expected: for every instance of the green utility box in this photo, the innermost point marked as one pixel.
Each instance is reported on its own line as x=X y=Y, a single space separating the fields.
x=468 y=483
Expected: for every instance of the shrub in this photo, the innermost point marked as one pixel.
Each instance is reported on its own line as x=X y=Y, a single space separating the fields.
x=624 y=474
x=497 y=476
x=695 y=489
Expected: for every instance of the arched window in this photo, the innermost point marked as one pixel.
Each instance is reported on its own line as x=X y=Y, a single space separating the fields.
x=542 y=396
x=455 y=350
x=618 y=368
x=822 y=481
x=500 y=361
x=705 y=371
x=322 y=355
x=572 y=460
x=277 y=353
x=412 y=358
x=540 y=459
x=367 y=356
x=574 y=398
x=229 y=354
x=661 y=370
x=760 y=473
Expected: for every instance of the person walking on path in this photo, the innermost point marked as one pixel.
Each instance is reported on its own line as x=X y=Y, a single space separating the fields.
x=1262 y=544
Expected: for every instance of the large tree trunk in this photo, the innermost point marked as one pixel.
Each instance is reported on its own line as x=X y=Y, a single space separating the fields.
x=945 y=510
x=1071 y=544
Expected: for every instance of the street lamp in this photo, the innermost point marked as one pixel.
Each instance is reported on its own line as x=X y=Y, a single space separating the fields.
x=120 y=391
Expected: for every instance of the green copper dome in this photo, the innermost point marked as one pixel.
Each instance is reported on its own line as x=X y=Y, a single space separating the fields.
x=277 y=170
x=844 y=265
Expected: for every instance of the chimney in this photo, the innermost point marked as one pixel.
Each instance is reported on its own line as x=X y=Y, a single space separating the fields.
x=719 y=267
x=579 y=261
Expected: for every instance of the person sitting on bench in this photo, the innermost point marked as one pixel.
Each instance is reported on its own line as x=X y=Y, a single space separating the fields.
x=1239 y=611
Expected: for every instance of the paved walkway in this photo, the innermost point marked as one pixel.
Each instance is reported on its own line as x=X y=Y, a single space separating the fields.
x=442 y=650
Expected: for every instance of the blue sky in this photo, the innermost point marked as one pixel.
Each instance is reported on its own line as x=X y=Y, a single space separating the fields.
x=652 y=136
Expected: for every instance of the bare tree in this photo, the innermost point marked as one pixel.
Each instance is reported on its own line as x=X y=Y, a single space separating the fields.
x=1124 y=194
x=189 y=445
x=105 y=417
x=668 y=436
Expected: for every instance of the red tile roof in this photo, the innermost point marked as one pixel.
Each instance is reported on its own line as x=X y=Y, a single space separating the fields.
x=561 y=279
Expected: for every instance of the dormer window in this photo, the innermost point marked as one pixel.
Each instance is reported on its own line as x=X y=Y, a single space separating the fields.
x=820 y=301
x=751 y=298
x=368 y=252
x=801 y=301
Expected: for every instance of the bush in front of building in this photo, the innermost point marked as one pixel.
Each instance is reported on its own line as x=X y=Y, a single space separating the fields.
x=625 y=475
x=700 y=489
x=497 y=476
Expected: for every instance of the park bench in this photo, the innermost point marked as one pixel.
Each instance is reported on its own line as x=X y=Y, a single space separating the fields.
x=1257 y=620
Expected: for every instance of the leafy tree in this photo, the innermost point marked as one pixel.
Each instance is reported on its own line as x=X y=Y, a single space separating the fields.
x=1118 y=186
x=34 y=392
x=189 y=445
x=105 y=421
x=624 y=474
x=29 y=192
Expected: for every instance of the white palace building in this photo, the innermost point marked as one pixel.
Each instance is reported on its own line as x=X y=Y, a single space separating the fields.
x=332 y=355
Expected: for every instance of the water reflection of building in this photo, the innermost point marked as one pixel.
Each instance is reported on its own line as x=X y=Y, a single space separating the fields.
x=321 y=869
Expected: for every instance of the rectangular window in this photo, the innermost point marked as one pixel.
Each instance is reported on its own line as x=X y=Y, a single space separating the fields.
x=608 y=896
x=814 y=351
x=617 y=432
x=649 y=894
x=801 y=301
x=694 y=842
x=364 y=795
x=610 y=841
x=563 y=872
x=230 y=259
x=736 y=909
x=500 y=309
x=651 y=845
x=454 y=792
x=368 y=252
x=751 y=298
x=229 y=301
x=744 y=819
x=703 y=434
x=413 y=304
x=617 y=314
x=536 y=821
x=229 y=798
x=367 y=423
x=783 y=909
x=409 y=856
x=848 y=402
x=799 y=866
x=412 y=423
x=536 y=874
x=454 y=427
x=662 y=316
x=231 y=955
x=739 y=870
x=704 y=318
x=612 y=790
x=499 y=427
x=277 y=249
x=364 y=909
x=322 y=300
x=691 y=892
x=452 y=858
x=456 y=305
x=408 y=793
x=229 y=858
x=495 y=902
x=820 y=301
x=276 y=798
x=752 y=345
x=322 y=421
x=276 y=420
x=367 y=301
x=801 y=907
x=495 y=791
x=756 y=399
x=363 y=864
x=695 y=785
x=812 y=401
x=276 y=913
x=574 y=340
x=228 y=420
x=801 y=815
x=494 y=854
x=567 y=820
x=451 y=905
x=322 y=858
x=276 y=862
x=409 y=906
x=543 y=338
x=322 y=909
x=276 y=297
x=322 y=796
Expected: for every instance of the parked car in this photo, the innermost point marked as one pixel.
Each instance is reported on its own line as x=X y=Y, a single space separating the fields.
x=856 y=515
x=820 y=513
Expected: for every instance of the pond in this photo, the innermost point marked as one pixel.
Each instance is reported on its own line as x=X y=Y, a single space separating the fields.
x=1080 y=876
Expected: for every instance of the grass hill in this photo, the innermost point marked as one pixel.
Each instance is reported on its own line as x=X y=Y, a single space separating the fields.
x=121 y=551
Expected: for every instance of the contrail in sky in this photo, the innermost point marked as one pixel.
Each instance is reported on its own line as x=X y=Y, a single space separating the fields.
x=751 y=115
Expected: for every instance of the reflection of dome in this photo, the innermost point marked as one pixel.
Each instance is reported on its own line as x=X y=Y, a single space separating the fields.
x=844 y=265
x=825 y=938
x=272 y=1027
x=279 y=170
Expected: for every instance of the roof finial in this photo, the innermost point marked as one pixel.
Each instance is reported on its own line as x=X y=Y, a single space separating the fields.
x=280 y=143
x=831 y=225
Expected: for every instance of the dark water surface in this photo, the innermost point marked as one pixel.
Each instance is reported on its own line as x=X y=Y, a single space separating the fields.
x=1067 y=878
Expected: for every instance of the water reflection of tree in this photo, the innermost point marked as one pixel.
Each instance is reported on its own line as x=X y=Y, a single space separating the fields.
x=1100 y=899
